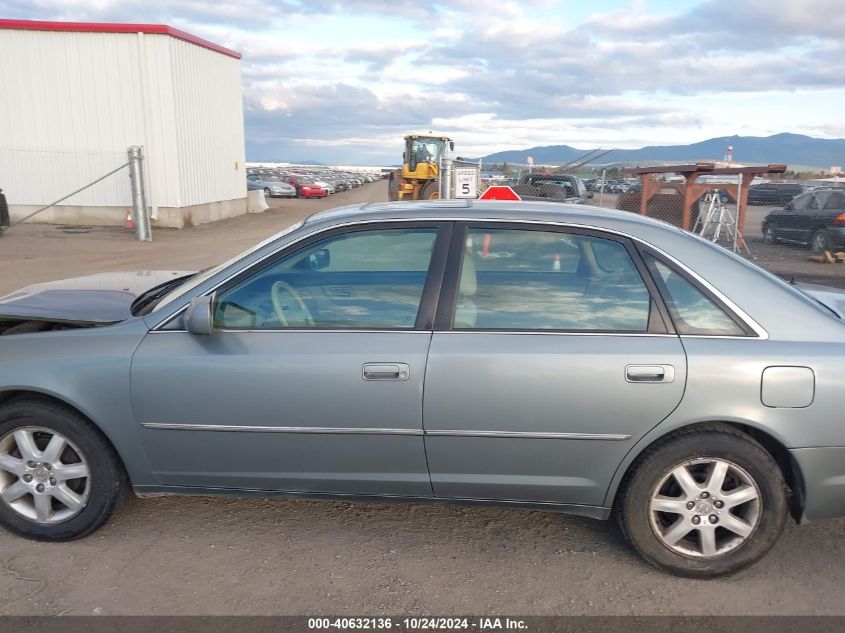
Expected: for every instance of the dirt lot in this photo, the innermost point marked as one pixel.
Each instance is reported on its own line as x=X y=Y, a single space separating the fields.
x=41 y=252
x=257 y=556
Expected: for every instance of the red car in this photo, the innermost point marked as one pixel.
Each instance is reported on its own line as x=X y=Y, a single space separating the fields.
x=306 y=187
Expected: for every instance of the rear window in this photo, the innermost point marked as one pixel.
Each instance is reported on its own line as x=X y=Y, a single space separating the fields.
x=692 y=311
x=835 y=201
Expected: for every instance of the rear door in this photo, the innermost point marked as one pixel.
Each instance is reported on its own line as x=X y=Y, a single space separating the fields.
x=550 y=358
x=833 y=204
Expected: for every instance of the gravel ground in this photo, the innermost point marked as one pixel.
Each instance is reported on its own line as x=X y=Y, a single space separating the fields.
x=205 y=556
x=199 y=555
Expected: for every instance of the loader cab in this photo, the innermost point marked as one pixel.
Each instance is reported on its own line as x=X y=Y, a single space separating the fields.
x=423 y=155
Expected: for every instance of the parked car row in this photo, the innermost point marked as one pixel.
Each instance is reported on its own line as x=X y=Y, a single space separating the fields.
x=612 y=186
x=771 y=193
x=301 y=183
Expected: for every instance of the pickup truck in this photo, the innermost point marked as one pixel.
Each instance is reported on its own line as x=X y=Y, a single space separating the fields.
x=563 y=187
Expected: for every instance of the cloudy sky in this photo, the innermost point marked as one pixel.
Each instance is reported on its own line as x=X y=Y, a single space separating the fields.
x=343 y=81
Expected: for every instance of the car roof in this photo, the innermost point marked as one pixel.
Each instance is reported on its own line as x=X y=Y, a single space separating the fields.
x=499 y=210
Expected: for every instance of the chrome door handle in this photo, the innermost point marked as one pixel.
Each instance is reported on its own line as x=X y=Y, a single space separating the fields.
x=386 y=371
x=650 y=373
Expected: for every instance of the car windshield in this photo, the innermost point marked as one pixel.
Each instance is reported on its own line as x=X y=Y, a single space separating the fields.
x=425 y=150
x=270 y=178
x=208 y=273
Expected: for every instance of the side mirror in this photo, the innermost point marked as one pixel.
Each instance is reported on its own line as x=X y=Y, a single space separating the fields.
x=319 y=259
x=451 y=146
x=589 y=194
x=198 y=319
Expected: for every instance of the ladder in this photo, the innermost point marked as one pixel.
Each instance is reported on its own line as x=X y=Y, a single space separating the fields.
x=719 y=219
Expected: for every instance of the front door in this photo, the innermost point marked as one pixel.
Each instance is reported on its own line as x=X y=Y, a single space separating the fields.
x=552 y=363
x=312 y=380
x=790 y=223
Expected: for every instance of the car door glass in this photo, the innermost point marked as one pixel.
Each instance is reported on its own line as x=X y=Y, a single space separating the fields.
x=835 y=202
x=800 y=202
x=691 y=310
x=357 y=280
x=537 y=280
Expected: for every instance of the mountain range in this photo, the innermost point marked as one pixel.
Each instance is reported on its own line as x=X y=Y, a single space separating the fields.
x=792 y=149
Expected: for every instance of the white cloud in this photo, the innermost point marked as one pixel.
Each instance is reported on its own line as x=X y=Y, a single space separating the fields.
x=350 y=78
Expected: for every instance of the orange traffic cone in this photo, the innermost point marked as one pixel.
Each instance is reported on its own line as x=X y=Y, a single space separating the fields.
x=129 y=223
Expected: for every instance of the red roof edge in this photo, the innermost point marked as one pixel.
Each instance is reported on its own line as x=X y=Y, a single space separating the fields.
x=110 y=27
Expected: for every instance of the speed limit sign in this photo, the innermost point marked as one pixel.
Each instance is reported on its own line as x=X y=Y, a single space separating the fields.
x=466 y=183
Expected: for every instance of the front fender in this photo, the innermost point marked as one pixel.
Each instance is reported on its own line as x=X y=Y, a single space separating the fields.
x=87 y=369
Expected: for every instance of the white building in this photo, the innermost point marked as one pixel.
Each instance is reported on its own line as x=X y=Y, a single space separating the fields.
x=75 y=96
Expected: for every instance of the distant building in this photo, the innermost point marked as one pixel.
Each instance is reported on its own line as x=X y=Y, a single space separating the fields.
x=76 y=95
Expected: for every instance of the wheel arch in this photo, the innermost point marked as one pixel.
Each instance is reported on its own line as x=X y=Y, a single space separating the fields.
x=10 y=395
x=771 y=444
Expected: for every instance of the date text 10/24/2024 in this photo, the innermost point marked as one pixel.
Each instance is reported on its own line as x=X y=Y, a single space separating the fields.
x=421 y=623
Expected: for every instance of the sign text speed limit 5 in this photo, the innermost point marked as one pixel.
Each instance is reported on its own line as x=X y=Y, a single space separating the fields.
x=466 y=183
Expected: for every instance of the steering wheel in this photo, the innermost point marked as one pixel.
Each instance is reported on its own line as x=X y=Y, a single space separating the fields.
x=277 y=292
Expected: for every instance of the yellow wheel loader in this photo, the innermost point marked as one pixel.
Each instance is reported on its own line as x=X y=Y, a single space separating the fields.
x=419 y=178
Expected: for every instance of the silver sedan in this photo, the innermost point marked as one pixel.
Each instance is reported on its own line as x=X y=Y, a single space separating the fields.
x=565 y=358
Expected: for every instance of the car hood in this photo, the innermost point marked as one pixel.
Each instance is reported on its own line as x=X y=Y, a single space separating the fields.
x=96 y=299
x=832 y=298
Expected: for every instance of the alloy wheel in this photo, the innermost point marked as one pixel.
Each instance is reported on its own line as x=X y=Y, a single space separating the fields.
x=705 y=507
x=43 y=476
x=769 y=235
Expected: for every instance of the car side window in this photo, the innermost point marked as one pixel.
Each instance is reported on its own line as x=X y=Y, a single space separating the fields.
x=520 y=279
x=800 y=202
x=835 y=202
x=692 y=311
x=358 y=280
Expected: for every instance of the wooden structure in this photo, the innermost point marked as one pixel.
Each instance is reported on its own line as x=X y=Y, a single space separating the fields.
x=693 y=190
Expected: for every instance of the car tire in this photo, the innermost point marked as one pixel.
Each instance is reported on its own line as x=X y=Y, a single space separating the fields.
x=819 y=242
x=57 y=505
x=669 y=526
x=266 y=192
x=769 y=236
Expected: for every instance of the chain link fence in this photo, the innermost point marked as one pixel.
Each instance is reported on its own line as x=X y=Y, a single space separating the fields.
x=795 y=230
x=792 y=224
x=64 y=185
